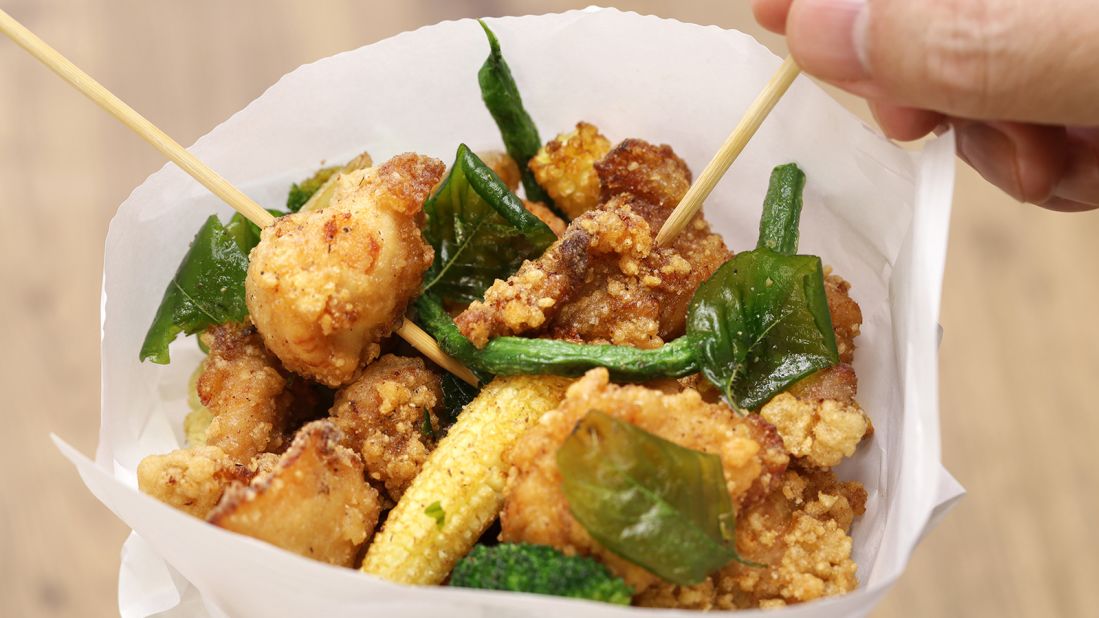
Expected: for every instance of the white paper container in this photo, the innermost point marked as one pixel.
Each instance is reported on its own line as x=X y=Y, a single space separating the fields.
x=877 y=213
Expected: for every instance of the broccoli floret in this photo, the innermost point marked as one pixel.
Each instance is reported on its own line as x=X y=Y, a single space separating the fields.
x=521 y=567
x=301 y=192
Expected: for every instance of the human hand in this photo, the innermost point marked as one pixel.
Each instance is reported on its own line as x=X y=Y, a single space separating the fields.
x=1019 y=80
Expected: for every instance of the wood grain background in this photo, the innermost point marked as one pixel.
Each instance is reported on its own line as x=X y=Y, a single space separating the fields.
x=1018 y=361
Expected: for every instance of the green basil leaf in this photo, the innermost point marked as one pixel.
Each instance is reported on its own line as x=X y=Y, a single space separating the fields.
x=760 y=322
x=655 y=503
x=207 y=289
x=456 y=396
x=480 y=231
x=244 y=232
x=520 y=135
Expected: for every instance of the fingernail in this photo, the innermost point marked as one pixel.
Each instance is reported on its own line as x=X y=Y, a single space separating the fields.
x=829 y=38
x=992 y=154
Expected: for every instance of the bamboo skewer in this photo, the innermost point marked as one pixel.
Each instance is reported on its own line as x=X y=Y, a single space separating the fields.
x=198 y=170
x=734 y=144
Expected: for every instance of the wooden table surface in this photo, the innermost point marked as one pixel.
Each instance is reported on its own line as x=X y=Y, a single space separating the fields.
x=1018 y=359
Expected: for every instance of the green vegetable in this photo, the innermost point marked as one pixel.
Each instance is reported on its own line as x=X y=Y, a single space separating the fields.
x=456 y=395
x=426 y=429
x=436 y=512
x=655 y=503
x=761 y=321
x=778 y=227
x=207 y=289
x=521 y=356
x=480 y=231
x=501 y=97
x=540 y=569
x=244 y=232
x=301 y=192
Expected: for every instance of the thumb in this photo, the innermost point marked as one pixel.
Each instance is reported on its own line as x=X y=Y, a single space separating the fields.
x=998 y=59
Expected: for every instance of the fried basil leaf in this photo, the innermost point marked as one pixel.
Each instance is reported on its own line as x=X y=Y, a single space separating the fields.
x=657 y=504
x=207 y=289
x=760 y=323
x=456 y=396
x=480 y=231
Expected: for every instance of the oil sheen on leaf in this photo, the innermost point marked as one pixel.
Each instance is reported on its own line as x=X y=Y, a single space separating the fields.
x=657 y=504
x=207 y=289
x=480 y=231
x=760 y=323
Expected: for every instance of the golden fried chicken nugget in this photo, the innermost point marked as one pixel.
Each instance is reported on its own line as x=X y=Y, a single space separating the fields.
x=324 y=287
x=799 y=532
x=535 y=508
x=315 y=502
x=822 y=432
x=565 y=168
x=603 y=281
x=243 y=388
x=192 y=479
x=388 y=416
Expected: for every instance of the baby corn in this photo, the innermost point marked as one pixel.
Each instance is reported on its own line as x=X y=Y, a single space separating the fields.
x=459 y=491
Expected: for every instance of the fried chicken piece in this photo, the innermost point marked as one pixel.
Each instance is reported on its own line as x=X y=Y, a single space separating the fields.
x=603 y=281
x=565 y=168
x=382 y=415
x=325 y=286
x=504 y=166
x=800 y=531
x=821 y=431
x=846 y=314
x=653 y=174
x=191 y=479
x=535 y=508
x=315 y=501
x=555 y=223
x=246 y=393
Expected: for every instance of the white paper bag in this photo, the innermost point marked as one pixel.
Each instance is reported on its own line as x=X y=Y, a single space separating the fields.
x=877 y=213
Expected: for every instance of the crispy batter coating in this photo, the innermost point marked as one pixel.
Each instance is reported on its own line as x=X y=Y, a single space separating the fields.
x=821 y=431
x=504 y=166
x=565 y=168
x=555 y=223
x=846 y=314
x=653 y=174
x=535 y=508
x=838 y=382
x=799 y=531
x=244 y=390
x=381 y=415
x=603 y=281
x=325 y=286
x=315 y=502
x=192 y=479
